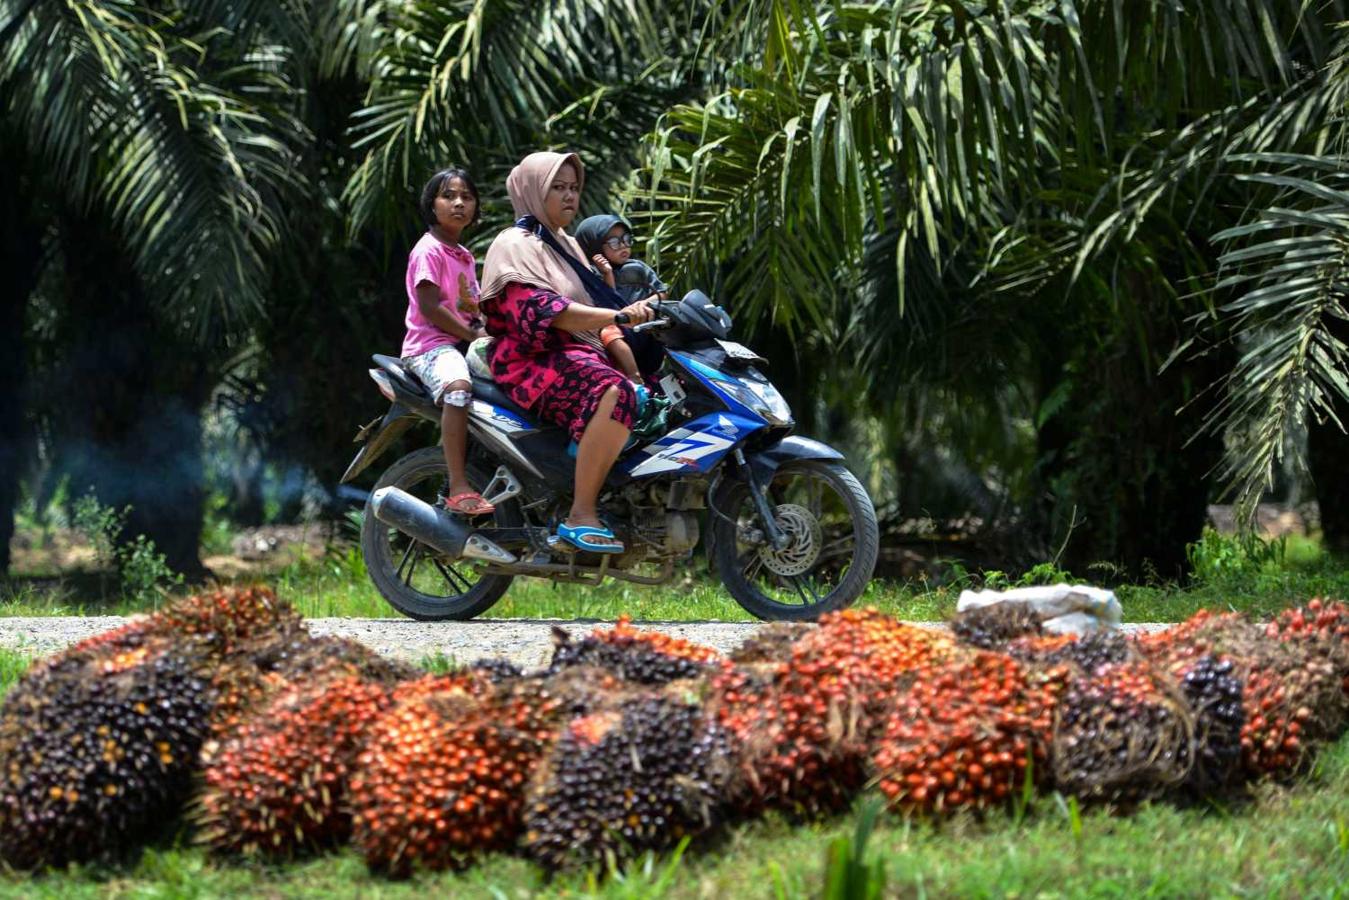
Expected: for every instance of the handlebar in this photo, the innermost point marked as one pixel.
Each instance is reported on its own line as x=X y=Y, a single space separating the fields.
x=652 y=325
x=656 y=323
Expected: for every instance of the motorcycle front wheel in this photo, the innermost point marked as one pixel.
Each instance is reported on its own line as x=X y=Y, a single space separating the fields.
x=416 y=579
x=833 y=542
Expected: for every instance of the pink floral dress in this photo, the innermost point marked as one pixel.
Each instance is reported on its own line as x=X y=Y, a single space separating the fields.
x=548 y=371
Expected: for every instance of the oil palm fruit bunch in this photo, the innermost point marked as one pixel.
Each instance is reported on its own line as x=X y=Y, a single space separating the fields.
x=992 y=627
x=642 y=657
x=638 y=776
x=799 y=748
x=1213 y=691
x=442 y=778
x=224 y=621
x=1292 y=693
x=803 y=726
x=1293 y=699
x=97 y=750
x=967 y=734
x=1197 y=636
x=279 y=785
x=268 y=663
x=1124 y=734
x=229 y=618
x=1321 y=625
x=864 y=654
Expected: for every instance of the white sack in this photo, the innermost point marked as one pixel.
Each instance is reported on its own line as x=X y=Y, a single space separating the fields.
x=1063 y=608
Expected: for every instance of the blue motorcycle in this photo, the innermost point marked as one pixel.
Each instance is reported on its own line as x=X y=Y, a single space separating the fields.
x=789 y=530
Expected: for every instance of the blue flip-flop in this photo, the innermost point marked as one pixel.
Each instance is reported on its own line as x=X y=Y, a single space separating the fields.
x=577 y=535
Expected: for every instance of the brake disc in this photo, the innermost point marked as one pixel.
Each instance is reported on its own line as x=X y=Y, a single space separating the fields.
x=804 y=541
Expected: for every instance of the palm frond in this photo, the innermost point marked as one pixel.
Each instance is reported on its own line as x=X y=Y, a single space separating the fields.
x=1288 y=268
x=187 y=161
x=473 y=81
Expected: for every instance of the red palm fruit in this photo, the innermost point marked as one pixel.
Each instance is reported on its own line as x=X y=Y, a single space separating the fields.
x=801 y=727
x=965 y=734
x=442 y=778
x=1195 y=637
x=1323 y=627
x=279 y=785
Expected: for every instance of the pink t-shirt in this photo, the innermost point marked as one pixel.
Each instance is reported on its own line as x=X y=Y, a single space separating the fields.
x=435 y=261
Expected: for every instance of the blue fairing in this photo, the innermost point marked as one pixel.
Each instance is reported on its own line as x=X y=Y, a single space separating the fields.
x=696 y=446
x=502 y=418
x=712 y=379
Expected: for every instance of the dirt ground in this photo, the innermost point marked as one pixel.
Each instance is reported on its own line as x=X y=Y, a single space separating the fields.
x=255 y=551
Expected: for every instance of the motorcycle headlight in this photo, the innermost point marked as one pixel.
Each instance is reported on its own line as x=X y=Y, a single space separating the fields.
x=761 y=397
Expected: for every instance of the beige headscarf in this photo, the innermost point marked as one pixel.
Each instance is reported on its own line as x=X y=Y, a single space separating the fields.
x=517 y=255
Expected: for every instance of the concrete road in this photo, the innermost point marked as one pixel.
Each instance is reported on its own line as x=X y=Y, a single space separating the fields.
x=526 y=642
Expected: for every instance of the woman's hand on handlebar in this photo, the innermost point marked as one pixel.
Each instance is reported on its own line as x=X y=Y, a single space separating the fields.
x=638 y=312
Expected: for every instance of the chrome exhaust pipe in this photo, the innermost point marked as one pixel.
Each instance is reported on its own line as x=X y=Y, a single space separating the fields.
x=434 y=526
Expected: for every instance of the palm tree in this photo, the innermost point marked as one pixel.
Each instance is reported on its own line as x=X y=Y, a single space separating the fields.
x=155 y=147
x=1029 y=201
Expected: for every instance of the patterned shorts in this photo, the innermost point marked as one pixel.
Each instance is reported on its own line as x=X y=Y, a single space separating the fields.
x=438 y=368
x=571 y=400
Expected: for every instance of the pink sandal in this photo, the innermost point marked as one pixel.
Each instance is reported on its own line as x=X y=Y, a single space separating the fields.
x=460 y=503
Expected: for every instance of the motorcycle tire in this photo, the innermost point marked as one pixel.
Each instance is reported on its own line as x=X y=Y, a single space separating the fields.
x=379 y=562
x=734 y=496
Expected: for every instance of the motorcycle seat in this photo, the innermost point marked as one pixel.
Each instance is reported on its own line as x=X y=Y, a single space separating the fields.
x=492 y=393
x=483 y=389
x=405 y=380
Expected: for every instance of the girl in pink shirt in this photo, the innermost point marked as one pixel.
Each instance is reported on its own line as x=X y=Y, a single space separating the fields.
x=443 y=317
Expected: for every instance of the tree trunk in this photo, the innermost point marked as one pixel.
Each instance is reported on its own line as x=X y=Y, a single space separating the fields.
x=21 y=261
x=134 y=390
x=1124 y=487
x=1328 y=459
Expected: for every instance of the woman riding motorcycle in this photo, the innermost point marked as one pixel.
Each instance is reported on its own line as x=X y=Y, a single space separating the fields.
x=547 y=353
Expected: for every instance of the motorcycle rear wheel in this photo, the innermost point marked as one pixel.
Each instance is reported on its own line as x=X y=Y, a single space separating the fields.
x=411 y=575
x=836 y=542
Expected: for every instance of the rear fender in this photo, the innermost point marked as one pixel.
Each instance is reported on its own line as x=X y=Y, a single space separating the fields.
x=378 y=439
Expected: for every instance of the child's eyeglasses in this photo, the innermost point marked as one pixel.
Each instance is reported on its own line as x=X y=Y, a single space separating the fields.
x=623 y=240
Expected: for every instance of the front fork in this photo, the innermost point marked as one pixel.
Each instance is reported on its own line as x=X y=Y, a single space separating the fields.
x=761 y=505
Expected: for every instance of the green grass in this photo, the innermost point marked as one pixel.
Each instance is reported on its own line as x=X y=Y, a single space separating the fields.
x=1286 y=842
x=13 y=664
x=1260 y=582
